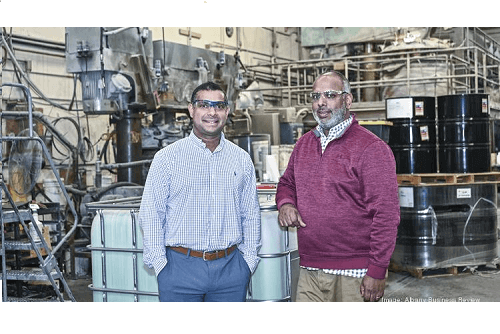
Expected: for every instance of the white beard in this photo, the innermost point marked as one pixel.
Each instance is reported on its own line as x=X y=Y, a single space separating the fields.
x=338 y=116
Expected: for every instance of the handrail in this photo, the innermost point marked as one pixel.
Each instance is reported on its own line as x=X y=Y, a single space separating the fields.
x=475 y=72
x=371 y=55
x=49 y=159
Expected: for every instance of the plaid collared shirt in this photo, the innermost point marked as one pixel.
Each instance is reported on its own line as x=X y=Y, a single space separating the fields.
x=200 y=200
x=336 y=132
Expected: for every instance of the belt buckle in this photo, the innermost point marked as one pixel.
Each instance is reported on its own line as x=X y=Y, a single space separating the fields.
x=204 y=252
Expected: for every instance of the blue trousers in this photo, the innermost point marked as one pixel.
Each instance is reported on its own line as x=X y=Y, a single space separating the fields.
x=190 y=279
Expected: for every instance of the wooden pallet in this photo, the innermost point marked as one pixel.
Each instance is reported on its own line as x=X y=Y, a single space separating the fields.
x=429 y=273
x=447 y=178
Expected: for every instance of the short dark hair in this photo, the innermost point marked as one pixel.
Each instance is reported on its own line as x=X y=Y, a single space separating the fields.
x=209 y=85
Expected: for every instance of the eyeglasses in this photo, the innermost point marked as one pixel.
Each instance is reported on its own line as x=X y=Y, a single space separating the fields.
x=329 y=94
x=207 y=104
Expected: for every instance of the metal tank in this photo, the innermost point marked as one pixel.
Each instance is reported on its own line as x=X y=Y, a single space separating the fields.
x=276 y=276
x=447 y=225
x=412 y=136
x=413 y=72
x=115 y=66
x=464 y=133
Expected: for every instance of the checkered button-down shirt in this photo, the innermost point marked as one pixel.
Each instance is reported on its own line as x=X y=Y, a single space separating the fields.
x=200 y=200
x=334 y=133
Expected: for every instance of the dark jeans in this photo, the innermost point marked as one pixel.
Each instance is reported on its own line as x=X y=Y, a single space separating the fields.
x=189 y=279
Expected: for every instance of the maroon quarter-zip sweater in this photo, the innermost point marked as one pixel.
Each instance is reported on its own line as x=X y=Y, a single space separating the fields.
x=348 y=197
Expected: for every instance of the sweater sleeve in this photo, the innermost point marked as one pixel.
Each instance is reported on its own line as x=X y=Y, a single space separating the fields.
x=379 y=181
x=286 y=191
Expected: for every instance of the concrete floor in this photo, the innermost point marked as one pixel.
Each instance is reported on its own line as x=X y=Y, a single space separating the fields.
x=482 y=286
x=79 y=289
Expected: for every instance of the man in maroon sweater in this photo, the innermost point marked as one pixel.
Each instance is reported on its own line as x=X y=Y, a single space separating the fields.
x=340 y=189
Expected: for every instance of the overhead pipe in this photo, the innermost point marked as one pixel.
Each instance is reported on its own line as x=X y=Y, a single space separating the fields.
x=38 y=41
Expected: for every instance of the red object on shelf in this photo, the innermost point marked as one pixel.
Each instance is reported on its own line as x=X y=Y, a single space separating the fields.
x=267 y=186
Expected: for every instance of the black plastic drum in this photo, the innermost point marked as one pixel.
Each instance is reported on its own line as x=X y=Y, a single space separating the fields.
x=415 y=160
x=447 y=225
x=464 y=133
x=412 y=137
x=463 y=106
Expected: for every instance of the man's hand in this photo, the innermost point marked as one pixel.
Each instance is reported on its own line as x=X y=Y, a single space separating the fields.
x=290 y=216
x=372 y=289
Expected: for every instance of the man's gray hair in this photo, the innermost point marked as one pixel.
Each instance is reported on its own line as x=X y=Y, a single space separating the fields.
x=345 y=83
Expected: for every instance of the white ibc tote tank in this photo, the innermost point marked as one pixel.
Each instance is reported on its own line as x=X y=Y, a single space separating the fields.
x=272 y=280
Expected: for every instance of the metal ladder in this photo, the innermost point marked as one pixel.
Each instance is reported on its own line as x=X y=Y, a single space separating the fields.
x=49 y=270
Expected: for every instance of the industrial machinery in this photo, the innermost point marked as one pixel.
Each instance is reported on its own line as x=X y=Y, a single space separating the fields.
x=143 y=86
x=127 y=75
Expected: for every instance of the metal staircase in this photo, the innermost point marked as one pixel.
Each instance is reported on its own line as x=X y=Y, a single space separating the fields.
x=48 y=270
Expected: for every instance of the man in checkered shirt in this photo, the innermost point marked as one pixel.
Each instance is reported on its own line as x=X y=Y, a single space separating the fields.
x=200 y=213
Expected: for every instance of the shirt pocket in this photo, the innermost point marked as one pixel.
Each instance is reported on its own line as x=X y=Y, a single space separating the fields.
x=228 y=178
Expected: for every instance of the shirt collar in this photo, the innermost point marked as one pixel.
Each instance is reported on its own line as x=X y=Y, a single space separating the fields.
x=337 y=131
x=198 y=142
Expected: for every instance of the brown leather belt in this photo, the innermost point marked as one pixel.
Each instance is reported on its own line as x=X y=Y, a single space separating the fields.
x=207 y=256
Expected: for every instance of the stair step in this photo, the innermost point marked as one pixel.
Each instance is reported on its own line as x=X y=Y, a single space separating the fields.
x=37 y=300
x=10 y=216
x=34 y=274
x=21 y=245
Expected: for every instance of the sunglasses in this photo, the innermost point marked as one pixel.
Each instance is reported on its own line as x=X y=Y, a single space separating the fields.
x=207 y=104
x=329 y=94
